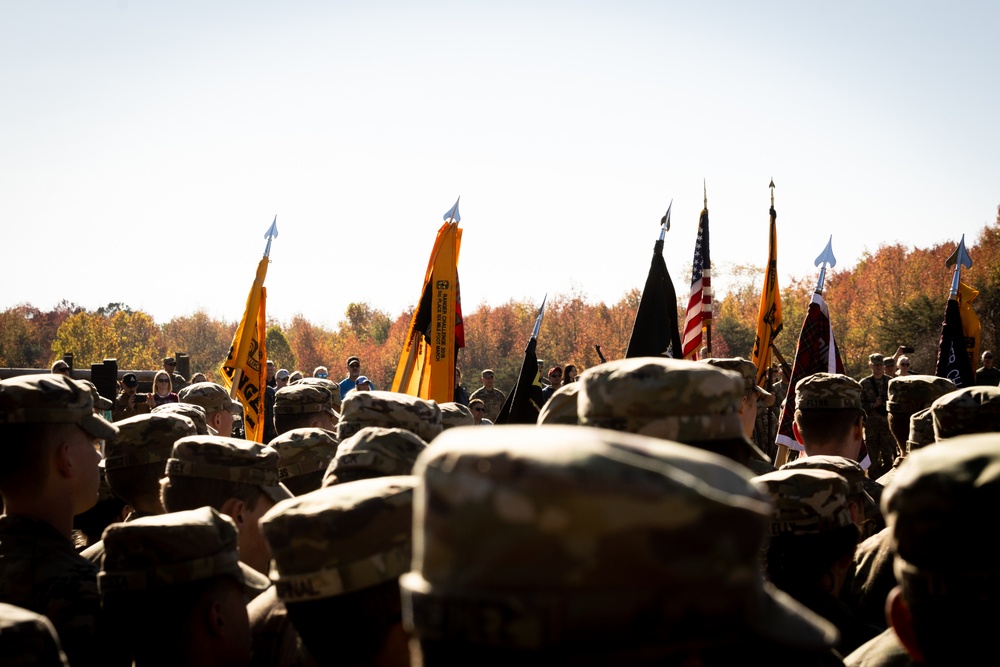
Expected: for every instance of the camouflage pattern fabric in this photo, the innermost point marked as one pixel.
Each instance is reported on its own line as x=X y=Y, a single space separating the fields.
x=212 y=397
x=391 y=410
x=748 y=371
x=329 y=385
x=100 y=403
x=378 y=450
x=493 y=399
x=973 y=409
x=341 y=538
x=146 y=439
x=807 y=501
x=177 y=382
x=912 y=393
x=51 y=399
x=921 y=430
x=455 y=414
x=827 y=391
x=878 y=437
x=158 y=552
x=28 y=639
x=561 y=406
x=195 y=413
x=228 y=459
x=302 y=398
x=303 y=450
x=514 y=523
x=937 y=507
x=122 y=410
x=856 y=481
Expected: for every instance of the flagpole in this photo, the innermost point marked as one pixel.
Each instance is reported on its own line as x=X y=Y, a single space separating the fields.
x=708 y=320
x=269 y=235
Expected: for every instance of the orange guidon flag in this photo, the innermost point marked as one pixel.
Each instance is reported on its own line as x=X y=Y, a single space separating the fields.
x=244 y=366
x=769 y=320
x=427 y=363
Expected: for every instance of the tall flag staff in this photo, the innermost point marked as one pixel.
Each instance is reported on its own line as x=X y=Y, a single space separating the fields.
x=243 y=371
x=654 y=332
x=524 y=402
x=426 y=365
x=699 y=310
x=953 y=359
x=769 y=319
x=816 y=352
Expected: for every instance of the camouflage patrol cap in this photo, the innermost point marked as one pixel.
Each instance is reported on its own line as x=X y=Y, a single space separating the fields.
x=391 y=410
x=807 y=501
x=378 y=450
x=847 y=468
x=227 y=459
x=911 y=393
x=748 y=371
x=921 y=430
x=303 y=450
x=100 y=403
x=329 y=385
x=513 y=523
x=340 y=539
x=827 y=391
x=674 y=399
x=51 y=399
x=561 y=406
x=938 y=509
x=146 y=439
x=28 y=639
x=195 y=413
x=455 y=414
x=213 y=397
x=969 y=410
x=162 y=551
x=876 y=358
x=301 y=398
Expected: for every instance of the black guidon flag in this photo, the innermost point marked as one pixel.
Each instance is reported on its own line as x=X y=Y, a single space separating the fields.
x=655 y=328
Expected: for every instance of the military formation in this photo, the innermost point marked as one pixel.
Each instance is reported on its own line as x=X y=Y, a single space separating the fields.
x=641 y=521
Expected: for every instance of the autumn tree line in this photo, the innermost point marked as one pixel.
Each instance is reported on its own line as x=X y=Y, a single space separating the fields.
x=893 y=296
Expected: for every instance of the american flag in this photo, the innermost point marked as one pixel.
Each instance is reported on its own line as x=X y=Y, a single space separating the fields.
x=699 y=310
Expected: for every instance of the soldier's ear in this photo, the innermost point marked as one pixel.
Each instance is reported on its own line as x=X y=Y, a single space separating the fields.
x=897 y=613
x=234 y=508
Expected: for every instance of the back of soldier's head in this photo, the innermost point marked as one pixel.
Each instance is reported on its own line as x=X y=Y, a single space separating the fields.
x=939 y=507
x=561 y=406
x=865 y=505
x=303 y=456
x=968 y=410
x=827 y=406
x=337 y=554
x=683 y=401
x=909 y=394
x=304 y=405
x=136 y=458
x=374 y=452
x=389 y=410
x=454 y=415
x=650 y=549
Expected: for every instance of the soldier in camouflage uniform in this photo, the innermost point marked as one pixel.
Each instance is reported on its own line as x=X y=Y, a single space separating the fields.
x=864 y=507
x=28 y=639
x=236 y=477
x=329 y=385
x=304 y=454
x=685 y=401
x=455 y=414
x=563 y=545
x=491 y=397
x=811 y=548
x=135 y=463
x=752 y=394
x=909 y=394
x=374 y=451
x=828 y=417
x=177 y=381
x=338 y=554
x=175 y=587
x=874 y=398
x=946 y=608
x=49 y=473
x=215 y=400
x=304 y=406
x=390 y=410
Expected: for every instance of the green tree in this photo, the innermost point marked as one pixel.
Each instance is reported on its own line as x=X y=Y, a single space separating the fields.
x=278 y=348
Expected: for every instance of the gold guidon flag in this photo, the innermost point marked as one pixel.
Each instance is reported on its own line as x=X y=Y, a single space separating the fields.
x=426 y=366
x=970 y=321
x=769 y=321
x=243 y=371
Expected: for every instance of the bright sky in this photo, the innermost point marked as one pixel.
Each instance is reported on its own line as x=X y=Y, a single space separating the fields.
x=145 y=147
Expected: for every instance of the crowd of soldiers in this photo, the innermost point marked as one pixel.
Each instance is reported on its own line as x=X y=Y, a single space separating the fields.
x=636 y=523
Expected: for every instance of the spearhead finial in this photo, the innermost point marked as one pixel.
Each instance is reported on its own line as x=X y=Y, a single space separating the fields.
x=538 y=321
x=665 y=221
x=772 y=192
x=824 y=261
x=704 y=187
x=452 y=214
x=272 y=233
x=960 y=258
